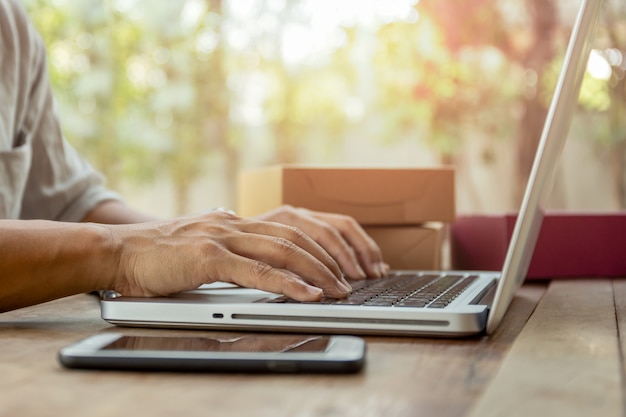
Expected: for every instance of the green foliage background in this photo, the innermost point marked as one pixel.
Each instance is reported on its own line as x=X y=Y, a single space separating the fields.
x=154 y=89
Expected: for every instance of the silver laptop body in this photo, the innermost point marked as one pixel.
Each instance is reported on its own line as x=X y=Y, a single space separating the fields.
x=479 y=307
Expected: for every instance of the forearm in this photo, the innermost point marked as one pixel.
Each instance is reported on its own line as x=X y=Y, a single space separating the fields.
x=43 y=260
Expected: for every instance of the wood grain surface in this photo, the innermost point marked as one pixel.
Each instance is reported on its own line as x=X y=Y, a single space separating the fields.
x=566 y=361
x=403 y=376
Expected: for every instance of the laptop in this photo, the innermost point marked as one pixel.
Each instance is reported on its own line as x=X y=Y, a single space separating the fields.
x=418 y=303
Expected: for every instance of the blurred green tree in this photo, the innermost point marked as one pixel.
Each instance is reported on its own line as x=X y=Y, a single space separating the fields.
x=158 y=90
x=604 y=96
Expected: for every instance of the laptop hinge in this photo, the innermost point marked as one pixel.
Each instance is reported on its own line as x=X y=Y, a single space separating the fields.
x=485 y=297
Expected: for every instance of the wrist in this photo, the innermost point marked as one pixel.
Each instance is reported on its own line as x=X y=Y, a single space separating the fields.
x=106 y=258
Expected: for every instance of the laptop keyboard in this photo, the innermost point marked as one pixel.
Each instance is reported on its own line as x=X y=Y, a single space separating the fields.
x=400 y=289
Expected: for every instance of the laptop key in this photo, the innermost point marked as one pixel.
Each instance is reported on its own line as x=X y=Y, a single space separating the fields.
x=378 y=303
x=438 y=304
x=346 y=302
x=415 y=303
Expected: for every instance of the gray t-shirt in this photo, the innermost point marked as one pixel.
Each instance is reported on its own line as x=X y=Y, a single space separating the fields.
x=41 y=175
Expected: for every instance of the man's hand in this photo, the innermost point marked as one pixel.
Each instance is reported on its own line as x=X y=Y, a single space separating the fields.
x=295 y=252
x=164 y=257
x=341 y=236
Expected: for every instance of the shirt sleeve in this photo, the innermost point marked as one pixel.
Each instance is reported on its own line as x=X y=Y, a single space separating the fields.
x=61 y=185
x=52 y=181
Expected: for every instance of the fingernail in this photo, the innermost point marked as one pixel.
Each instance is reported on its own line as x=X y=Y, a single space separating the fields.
x=361 y=272
x=314 y=290
x=384 y=268
x=342 y=279
x=344 y=286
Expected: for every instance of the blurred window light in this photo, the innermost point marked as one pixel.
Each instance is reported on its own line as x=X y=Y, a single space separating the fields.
x=598 y=66
x=615 y=57
x=354 y=108
x=206 y=41
x=314 y=28
x=192 y=12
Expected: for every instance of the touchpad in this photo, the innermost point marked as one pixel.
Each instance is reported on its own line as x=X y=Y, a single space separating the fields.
x=220 y=292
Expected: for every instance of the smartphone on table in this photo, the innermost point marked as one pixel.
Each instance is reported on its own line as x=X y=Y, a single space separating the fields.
x=283 y=353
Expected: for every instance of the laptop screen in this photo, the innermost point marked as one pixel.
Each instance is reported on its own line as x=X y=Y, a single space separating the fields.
x=543 y=171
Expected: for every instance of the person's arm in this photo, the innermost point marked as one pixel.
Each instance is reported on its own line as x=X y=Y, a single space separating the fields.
x=44 y=260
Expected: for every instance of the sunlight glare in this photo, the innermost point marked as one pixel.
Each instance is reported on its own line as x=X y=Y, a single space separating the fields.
x=128 y=8
x=137 y=71
x=191 y=13
x=598 y=66
x=297 y=43
x=321 y=28
x=206 y=41
x=61 y=53
x=615 y=57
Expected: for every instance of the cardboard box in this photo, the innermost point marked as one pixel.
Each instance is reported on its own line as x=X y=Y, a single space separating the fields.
x=410 y=247
x=373 y=196
x=569 y=245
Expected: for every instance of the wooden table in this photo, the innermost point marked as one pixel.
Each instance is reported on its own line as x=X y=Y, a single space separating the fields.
x=558 y=352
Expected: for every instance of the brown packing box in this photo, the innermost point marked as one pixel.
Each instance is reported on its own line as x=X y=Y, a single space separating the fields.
x=373 y=196
x=410 y=247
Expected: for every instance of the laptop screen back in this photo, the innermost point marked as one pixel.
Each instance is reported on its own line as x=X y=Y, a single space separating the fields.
x=543 y=171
